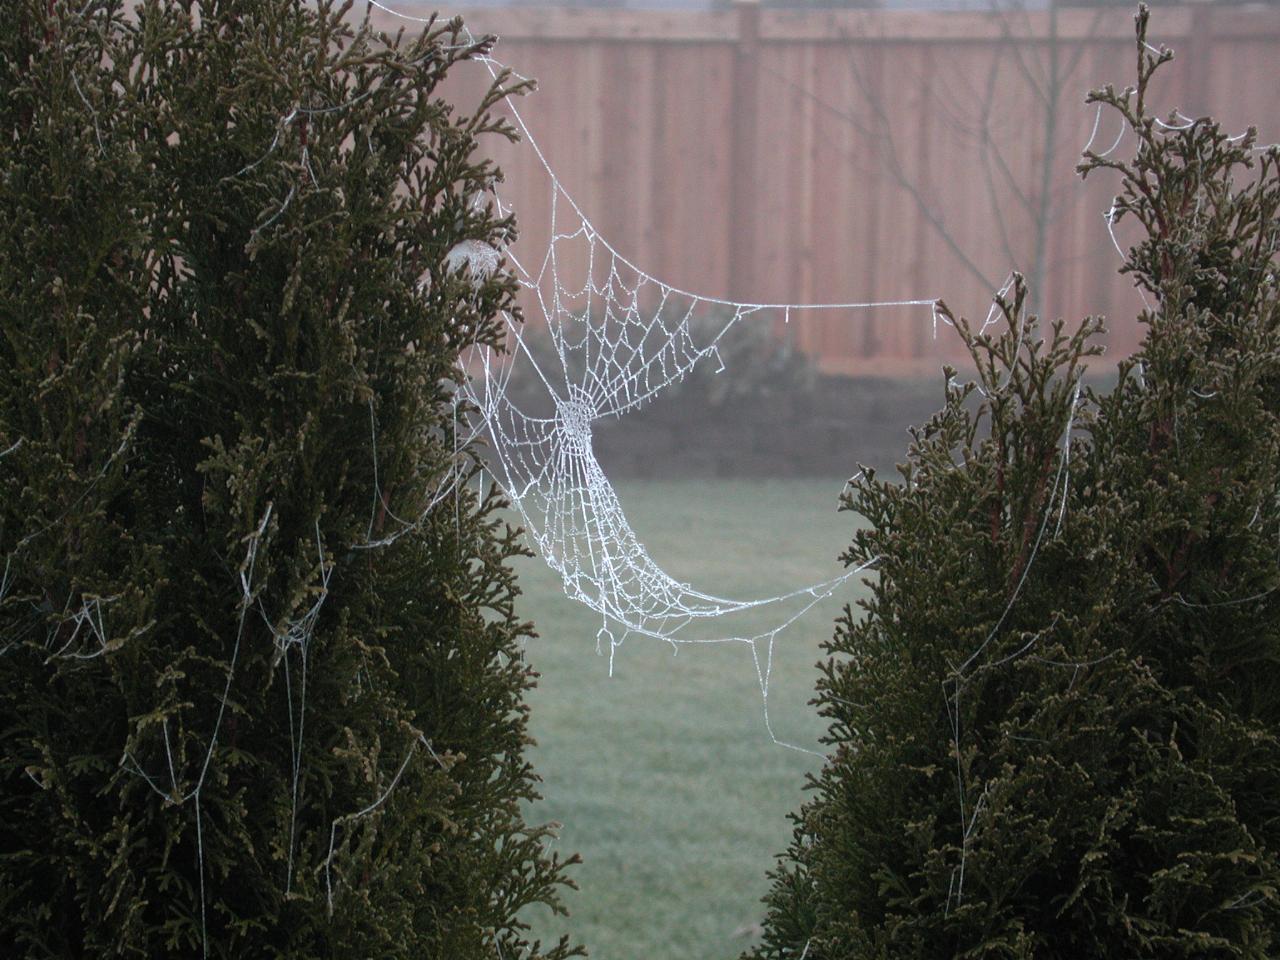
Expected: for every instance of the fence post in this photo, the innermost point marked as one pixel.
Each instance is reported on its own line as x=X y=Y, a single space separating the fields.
x=744 y=106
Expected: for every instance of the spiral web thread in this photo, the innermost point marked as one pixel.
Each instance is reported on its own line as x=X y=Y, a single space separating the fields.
x=619 y=337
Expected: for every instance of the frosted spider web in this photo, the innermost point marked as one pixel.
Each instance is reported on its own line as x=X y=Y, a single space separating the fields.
x=619 y=337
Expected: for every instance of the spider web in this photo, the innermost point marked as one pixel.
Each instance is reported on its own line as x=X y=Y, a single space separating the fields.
x=619 y=337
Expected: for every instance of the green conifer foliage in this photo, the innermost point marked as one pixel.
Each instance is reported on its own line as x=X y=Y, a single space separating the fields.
x=1055 y=729
x=262 y=693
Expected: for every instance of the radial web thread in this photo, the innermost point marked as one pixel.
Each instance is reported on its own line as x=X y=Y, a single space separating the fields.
x=619 y=337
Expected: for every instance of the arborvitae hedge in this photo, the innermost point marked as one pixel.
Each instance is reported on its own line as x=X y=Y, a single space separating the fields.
x=261 y=687
x=1055 y=726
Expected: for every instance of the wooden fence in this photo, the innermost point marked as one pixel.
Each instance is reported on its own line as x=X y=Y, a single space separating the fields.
x=834 y=155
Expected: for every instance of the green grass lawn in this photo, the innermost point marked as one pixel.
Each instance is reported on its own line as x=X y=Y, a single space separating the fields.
x=664 y=776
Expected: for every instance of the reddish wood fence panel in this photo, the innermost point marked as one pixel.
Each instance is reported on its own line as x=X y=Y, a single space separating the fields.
x=838 y=155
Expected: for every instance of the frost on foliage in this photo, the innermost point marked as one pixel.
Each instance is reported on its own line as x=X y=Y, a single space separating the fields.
x=478 y=258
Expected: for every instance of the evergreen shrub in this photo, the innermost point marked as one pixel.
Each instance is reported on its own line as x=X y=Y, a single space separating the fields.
x=1054 y=727
x=261 y=692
